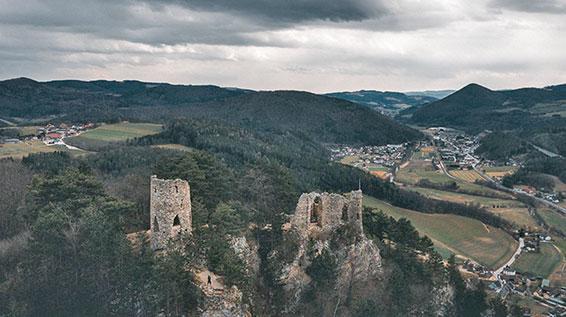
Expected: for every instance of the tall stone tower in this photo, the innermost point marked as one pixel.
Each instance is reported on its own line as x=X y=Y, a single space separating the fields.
x=170 y=210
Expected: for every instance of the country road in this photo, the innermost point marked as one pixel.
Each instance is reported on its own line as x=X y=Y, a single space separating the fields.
x=7 y=122
x=512 y=191
x=512 y=259
x=546 y=152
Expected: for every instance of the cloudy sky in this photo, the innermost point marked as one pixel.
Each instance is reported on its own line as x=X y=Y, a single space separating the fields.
x=315 y=45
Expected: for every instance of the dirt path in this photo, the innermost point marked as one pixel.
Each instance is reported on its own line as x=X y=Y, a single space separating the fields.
x=8 y=122
x=216 y=283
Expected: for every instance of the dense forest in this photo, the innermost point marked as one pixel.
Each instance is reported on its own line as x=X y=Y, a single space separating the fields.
x=500 y=146
x=321 y=118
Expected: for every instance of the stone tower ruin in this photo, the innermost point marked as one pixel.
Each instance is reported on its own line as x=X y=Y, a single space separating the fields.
x=317 y=213
x=170 y=210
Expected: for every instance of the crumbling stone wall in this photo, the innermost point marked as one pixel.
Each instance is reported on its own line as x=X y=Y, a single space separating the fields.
x=320 y=213
x=170 y=210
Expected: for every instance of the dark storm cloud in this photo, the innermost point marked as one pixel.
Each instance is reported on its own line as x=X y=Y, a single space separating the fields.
x=316 y=45
x=294 y=11
x=534 y=6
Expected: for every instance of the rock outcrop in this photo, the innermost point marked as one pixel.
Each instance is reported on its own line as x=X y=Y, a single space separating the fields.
x=329 y=223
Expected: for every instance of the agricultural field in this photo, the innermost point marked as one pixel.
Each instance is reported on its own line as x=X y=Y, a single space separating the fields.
x=23 y=130
x=424 y=153
x=519 y=216
x=23 y=149
x=553 y=218
x=121 y=131
x=541 y=264
x=467 y=176
x=416 y=170
x=109 y=133
x=462 y=236
x=511 y=210
x=177 y=147
x=349 y=160
x=499 y=171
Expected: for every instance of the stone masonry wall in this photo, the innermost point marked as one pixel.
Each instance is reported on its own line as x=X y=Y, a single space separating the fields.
x=170 y=210
x=319 y=213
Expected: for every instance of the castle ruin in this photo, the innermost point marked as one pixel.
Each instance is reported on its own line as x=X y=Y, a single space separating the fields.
x=170 y=210
x=319 y=213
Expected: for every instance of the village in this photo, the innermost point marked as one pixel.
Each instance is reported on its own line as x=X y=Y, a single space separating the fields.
x=507 y=282
x=457 y=151
x=49 y=134
x=381 y=161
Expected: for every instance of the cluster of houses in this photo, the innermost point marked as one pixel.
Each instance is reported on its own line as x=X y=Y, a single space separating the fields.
x=527 y=285
x=378 y=160
x=480 y=270
x=533 y=240
x=50 y=134
x=455 y=148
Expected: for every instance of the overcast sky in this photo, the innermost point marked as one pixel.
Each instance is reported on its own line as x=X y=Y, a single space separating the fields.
x=314 y=45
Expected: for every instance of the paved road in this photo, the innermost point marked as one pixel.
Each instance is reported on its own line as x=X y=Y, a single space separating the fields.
x=512 y=259
x=511 y=191
x=443 y=168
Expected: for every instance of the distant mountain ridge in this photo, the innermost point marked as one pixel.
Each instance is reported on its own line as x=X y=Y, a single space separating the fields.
x=537 y=115
x=387 y=102
x=318 y=117
x=475 y=106
x=438 y=94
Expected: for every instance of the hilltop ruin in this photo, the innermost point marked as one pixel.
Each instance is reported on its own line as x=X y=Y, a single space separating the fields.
x=170 y=210
x=318 y=214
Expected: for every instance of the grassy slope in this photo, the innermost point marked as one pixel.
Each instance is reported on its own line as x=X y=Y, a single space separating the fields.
x=540 y=264
x=553 y=218
x=23 y=149
x=515 y=211
x=417 y=170
x=464 y=236
x=120 y=131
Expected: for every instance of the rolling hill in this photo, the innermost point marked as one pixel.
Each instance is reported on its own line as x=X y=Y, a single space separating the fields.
x=387 y=102
x=475 y=107
x=27 y=98
x=321 y=118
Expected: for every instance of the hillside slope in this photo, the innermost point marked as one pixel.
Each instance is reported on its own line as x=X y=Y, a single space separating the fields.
x=320 y=118
x=387 y=102
x=475 y=107
x=27 y=98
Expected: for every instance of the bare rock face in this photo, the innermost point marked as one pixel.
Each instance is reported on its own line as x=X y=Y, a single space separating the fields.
x=359 y=262
x=332 y=223
x=170 y=210
x=247 y=251
x=225 y=304
x=442 y=301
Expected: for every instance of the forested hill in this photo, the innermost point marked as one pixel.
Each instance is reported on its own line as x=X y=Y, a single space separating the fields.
x=23 y=97
x=385 y=101
x=475 y=107
x=320 y=118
